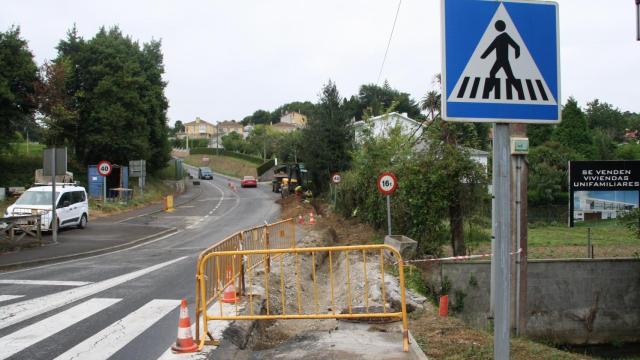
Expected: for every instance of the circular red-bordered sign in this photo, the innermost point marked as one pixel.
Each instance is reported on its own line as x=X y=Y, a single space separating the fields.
x=336 y=178
x=104 y=168
x=387 y=183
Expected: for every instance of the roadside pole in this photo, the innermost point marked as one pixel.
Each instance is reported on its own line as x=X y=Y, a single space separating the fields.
x=54 y=223
x=387 y=185
x=501 y=230
x=389 y=214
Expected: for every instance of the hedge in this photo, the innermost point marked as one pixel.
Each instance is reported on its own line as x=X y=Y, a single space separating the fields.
x=213 y=151
x=265 y=166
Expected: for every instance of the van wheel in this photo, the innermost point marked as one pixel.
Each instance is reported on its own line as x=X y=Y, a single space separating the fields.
x=83 y=222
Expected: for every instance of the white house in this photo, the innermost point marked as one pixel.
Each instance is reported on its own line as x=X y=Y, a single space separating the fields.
x=381 y=125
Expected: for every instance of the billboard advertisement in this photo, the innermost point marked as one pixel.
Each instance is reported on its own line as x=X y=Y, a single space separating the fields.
x=601 y=190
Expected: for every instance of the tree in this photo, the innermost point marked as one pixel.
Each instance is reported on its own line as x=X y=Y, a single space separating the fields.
x=178 y=127
x=328 y=137
x=548 y=172
x=289 y=147
x=57 y=107
x=573 y=131
x=118 y=93
x=377 y=99
x=606 y=118
x=258 y=117
x=18 y=76
x=233 y=142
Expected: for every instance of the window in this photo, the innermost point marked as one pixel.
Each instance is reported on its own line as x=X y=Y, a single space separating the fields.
x=63 y=198
x=78 y=197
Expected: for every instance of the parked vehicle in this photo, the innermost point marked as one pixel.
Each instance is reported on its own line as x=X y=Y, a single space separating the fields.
x=295 y=175
x=72 y=207
x=205 y=173
x=248 y=181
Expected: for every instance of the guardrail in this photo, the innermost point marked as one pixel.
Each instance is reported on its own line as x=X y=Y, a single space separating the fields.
x=295 y=267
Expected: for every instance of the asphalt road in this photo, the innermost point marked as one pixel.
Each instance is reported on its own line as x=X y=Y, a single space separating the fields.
x=123 y=305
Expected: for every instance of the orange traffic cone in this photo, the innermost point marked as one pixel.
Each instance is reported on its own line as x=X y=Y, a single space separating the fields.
x=312 y=220
x=300 y=220
x=184 y=343
x=229 y=294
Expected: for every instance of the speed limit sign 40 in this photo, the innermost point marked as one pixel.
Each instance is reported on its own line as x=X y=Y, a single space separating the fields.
x=104 y=168
x=387 y=183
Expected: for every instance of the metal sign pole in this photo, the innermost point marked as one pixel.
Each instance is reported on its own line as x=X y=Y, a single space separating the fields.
x=104 y=189
x=54 y=223
x=389 y=213
x=501 y=230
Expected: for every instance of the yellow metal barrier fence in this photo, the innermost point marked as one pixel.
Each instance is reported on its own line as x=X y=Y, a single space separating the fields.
x=230 y=269
x=305 y=283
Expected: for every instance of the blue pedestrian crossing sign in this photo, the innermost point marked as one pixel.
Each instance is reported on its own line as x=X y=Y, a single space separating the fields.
x=501 y=61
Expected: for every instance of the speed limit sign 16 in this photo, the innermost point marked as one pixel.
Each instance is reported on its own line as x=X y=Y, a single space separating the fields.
x=104 y=168
x=387 y=183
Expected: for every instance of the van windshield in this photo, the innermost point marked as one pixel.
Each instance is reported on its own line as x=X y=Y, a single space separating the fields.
x=35 y=198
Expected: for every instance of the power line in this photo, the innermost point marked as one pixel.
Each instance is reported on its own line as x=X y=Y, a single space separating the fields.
x=389 y=43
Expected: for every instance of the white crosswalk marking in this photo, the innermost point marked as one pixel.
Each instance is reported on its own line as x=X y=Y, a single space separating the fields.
x=108 y=341
x=45 y=282
x=14 y=313
x=32 y=334
x=9 y=297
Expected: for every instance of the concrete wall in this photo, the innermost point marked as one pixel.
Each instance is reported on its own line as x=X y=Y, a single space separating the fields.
x=569 y=301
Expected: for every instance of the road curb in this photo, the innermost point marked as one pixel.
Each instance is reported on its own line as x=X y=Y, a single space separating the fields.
x=415 y=349
x=85 y=254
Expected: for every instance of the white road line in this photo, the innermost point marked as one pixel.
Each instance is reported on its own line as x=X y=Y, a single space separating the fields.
x=14 y=313
x=113 y=338
x=215 y=329
x=25 y=337
x=9 y=297
x=45 y=282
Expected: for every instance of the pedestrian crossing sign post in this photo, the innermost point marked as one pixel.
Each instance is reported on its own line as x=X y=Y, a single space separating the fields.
x=501 y=62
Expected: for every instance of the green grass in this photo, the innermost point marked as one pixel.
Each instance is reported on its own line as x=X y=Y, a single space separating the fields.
x=603 y=233
x=34 y=149
x=226 y=165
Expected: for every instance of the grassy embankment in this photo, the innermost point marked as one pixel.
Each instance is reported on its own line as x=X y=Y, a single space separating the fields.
x=223 y=164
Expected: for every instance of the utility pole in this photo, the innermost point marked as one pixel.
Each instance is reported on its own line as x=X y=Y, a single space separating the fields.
x=501 y=238
x=217 y=139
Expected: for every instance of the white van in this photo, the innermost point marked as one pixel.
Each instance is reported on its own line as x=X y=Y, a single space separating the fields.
x=72 y=207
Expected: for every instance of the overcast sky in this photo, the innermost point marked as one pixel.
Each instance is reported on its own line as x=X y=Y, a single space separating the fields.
x=226 y=59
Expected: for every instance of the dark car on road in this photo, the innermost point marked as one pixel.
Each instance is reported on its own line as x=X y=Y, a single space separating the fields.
x=205 y=173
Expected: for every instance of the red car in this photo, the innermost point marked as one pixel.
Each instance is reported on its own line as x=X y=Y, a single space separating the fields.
x=248 y=181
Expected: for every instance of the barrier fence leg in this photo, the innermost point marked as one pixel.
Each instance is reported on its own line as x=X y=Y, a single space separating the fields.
x=267 y=246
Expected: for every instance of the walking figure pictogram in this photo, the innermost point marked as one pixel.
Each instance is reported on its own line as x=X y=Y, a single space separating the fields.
x=501 y=46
